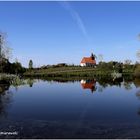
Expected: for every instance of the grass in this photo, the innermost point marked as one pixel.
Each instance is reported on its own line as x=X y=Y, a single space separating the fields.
x=74 y=71
x=67 y=72
x=7 y=77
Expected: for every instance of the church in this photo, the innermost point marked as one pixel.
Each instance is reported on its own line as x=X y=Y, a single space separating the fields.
x=88 y=61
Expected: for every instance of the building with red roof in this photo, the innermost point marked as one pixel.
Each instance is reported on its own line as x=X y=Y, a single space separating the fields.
x=88 y=61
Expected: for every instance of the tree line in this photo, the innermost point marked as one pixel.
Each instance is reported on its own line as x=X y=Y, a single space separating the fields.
x=16 y=67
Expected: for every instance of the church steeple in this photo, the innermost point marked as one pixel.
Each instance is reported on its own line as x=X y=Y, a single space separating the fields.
x=92 y=56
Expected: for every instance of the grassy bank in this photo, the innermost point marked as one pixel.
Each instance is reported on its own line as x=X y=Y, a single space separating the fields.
x=7 y=77
x=72 y=72
x=67 y=72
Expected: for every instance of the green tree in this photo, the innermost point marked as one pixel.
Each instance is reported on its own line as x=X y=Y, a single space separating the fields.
x=30 y=64
x=17 y=68
x=127 y=66
x=137 y=71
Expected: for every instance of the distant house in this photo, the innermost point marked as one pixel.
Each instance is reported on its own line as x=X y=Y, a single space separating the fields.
x=88 y=61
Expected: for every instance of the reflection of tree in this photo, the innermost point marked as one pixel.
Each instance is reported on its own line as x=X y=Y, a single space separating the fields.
x=118 y=81
x=100 y=89
x=138 y=96
x=106 y=81
x=127 y=85
x=137 y=82
x=103 y=84
x=138 y=111
x=62 y=80
x=5 y=98
x=30 y=82
x=3 y=88
x=18 y=82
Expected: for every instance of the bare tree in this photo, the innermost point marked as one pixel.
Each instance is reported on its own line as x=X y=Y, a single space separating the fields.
x=5 y=50
x=100 y=57
x=0 y=47
x=138 y=55
x=127 y=62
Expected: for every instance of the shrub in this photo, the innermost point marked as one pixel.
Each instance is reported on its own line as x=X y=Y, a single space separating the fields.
x=137 y=71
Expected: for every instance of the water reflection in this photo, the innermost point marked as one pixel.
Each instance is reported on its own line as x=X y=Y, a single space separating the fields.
x=30 y=82
x=136 y=82
x=21 y=82
x=4 y=86
x=127 y=85
x=103 y=82
x=65 y=102
x=106 y=81
x=138 y=94
x=61 y=80
x=89 y=84
x=5 y=98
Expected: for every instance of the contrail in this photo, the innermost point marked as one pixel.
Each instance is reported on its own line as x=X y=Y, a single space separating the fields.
x=76 y=17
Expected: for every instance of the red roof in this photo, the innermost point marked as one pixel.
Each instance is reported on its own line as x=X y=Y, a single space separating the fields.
x=88 y=60
x=89 y=85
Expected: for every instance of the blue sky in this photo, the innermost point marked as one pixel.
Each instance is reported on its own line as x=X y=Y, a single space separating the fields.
x=56 y=32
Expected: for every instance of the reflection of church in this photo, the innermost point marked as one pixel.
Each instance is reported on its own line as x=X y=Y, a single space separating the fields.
x=89 y=84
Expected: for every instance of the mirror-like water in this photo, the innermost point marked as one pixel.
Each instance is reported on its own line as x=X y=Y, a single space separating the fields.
x=74 y=109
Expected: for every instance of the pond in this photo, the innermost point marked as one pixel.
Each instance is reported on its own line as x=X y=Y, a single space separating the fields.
x=70 y=109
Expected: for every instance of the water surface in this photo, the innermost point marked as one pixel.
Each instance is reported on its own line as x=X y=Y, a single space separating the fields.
x=72 y=109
